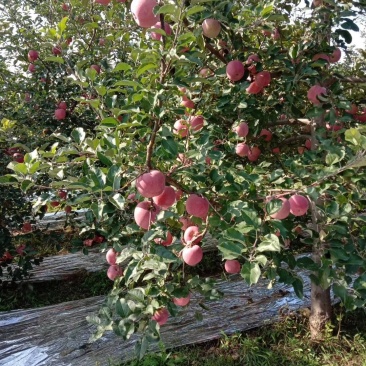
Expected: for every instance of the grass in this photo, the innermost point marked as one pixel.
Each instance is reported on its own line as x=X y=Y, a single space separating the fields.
x=286 y=343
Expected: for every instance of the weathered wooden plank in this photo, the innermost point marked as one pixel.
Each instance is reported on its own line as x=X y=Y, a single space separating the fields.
x=58 y=335
x=60 y=267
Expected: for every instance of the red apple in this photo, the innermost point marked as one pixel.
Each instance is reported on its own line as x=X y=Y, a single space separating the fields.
x=142 y=12
x=145 y=214
x=111 y=256
x=165 y=242
x=62 y=194
x=186 y=102
x=166 y=199
x=181 y=128
x=254 y=153
x=242 y=149
x=151 y=184
x=232 y=266
x=161 y=316
x=267 y=135
x=62 y=105
x=314 y=92
x=32 y=68
x=55 y=203
x=192 y=255
x=57 y=50
x=299 y=205
x=27 y=227
x=235 y=70
x=263 y=79
x=253 y=58
x=88 y=242
x=211 y=28
x=254 y=88
x=32 y=55
x=60 y=114
x=96 y=68
x=167 y=29
x=182 y=301
x=114 y=271
x=242 y=130
x=190 y=234
x=196 y=123
x=335 y=56
x=18 y=157
x=197 y=206
x=68 y=209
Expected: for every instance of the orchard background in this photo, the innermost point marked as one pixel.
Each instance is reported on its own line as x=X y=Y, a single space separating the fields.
x=243 y=121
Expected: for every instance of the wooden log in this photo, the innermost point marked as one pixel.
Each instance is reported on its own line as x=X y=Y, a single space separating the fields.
x=61 y=267
x=58 y=335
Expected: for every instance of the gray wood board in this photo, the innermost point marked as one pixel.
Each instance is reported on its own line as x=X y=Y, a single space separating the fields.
x=58 y=335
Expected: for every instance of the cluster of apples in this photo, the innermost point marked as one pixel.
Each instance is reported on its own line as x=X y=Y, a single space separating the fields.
x=297 y=204
x=334 y=57
x=60 y=112
x=193 y=123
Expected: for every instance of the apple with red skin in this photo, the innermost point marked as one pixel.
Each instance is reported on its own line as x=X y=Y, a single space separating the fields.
x=182 y=301
x=235 y=70
x=299 y=205
x=55 y=203
x=99 y=238
x=254 y=88
x=254 y=153
x=103 y=2
x=142 y=12
x=253 y=58
x=166 y=199
x=242 y=129
x=267 y=134
x=157 y=36
x=62 y=194
x=60 y=114
x=56 y=50
x=192 y=255
x=68 y=209
x=165 y=242
x=263 y=79
x=145 y=214
x=32 y=68
x=191 y=233
x=232 y=266
x=18 y=157
x=196 y=123
x=33 y=55
x=27 y=227
x=335 y=56
x=62 y=105
x=181 y=128
x=242 y=149
x=111 y=257
x=320 y=56
x=197 y=206
x=284 y=211
x=161 y=316
x=97 y=68
x=314 y=92
x=151 y=184
x=276 y=150
x=186 y=102
x=114 y=272
x=65 y=7
x=211 y=28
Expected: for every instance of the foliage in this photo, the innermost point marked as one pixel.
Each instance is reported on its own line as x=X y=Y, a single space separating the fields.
x=120 y=124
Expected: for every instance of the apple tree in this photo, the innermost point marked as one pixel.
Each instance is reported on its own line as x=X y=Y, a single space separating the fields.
x=192 y=120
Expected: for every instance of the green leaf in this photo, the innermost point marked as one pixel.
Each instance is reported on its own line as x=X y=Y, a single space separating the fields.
x=109 y=122
x=122 y=66
x=62 y=25
x=345 y=35
x=250 y=272
x=194 y=9
x=273 y=206
x=349 y=24
x=118 y=201
x=230 y=250
x=170 y=146
x=269 y=244
x=78 y=134
x=298 y=287
x=267 y=10
x=57 y=59
x=141 y=348
x=26 y=184
x=104 y=159
x=144 y=68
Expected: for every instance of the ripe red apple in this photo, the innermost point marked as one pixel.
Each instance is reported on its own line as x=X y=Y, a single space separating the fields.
x=263 y=79
x=65 y=7
x=186 y=102
x=166 y=199
x=254 y=153
x=32 y=55
x=60 y=114
x=56 y=50
x=167 y=29
x=242 y=130
x=192 y=255
x=267 y=134
x=335 y=56
x=165 y=242
x=55 y=203
x=299 y=205
x=18 y=157
x=276 y=150
x=68 y=209
x=314 y=92
x=142 y=12
x=196 y=123
x=99 y=238
x=284 y=211
x=182 y=301
x=321 y=56
x=197 y=206
x=32 y=68
x=114 y=271
x=211 y=28
x=181 y=128
x=190 y=234
x=235 y=70
x=205 y=72
x=103 y=2
x=353 y=109
x=62 y=105
x=27 y=227
x=62 y=194
x=151 y=184
x=161 y=316
x=145 y=214
x=253 y=58
x=111 y=256
x=242 y=149
x=308 y=144
x=254 y=88
x=232 y=266
x=96 y=68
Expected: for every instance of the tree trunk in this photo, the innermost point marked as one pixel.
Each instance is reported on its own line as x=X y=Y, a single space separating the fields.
x=321 y=307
